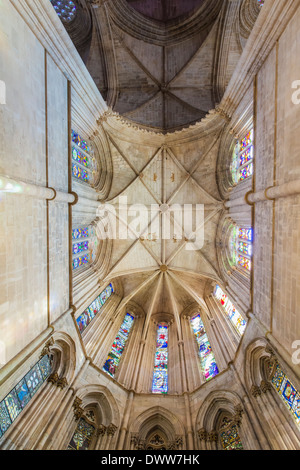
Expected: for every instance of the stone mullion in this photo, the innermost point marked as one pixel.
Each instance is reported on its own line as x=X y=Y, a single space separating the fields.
x=147 y=364
x=258 y=430
x=131 y=353
x=194 y=375
x=108 y=336
x=276 y=442
x=174 y=383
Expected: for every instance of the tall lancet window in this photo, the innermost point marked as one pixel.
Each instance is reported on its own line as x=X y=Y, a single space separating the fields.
x=160 y=374
x=241 y=248
x=84 y=246
x=232 y=313
x=207 y=359
x=83 y=162
x=114 y=356
x=94 y=308
x=242 y=161
x=65 y=9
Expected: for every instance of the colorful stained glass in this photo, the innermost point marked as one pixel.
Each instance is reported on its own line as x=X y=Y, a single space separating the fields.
x=246 y=156
x=207 y=359
x=13 y=405
x=80 y=173
x=246 y=172
x=80 y=247
x=88 y=315
x=230 y=439
x=260 y=2
x=16 y=400
x=65 y=9
x=234 y=316
x=23 y=392
x=118 y=346
x=34 y=379
x=81 y=439
x=288 y=393
x=80 y=157
x=160 y=375
x=246 y=141
x=80 y=233
x=80 y=142
x=244 y=262
x=5 y=420
x=245 y=248
x=77 y=262
x=246 y=234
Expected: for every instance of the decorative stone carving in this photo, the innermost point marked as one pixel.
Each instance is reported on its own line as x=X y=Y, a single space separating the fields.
x=101 y=431
x=46 y=348
x=111 y=430
x=53 y=378
x=265 y=386
x=78 y=411
x=62 y=383
x=255 y=391
x=212 y=436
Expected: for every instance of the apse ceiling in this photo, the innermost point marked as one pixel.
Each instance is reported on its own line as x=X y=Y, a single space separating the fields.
x=164 y=10
x=162 y=64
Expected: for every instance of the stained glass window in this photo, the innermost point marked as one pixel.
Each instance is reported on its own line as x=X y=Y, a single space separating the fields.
x=207 y=359
x=260 y=2
x=242 y=159
x=240 y=247
x=15 y=401
x=82 y=437
x=114 y=356
x=85 y=244
x=89 y=314
x=65 y=9
x=287 y=392
x=160 y=375
x=230 y=438
x=84 y=164
x=232 y=313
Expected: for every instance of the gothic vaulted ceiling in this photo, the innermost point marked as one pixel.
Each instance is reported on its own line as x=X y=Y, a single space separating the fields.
x=163 y=64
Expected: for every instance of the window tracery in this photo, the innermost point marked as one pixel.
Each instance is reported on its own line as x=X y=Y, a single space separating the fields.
x=242 y=160
x=229 y=309
x=82 y=437
x=84 y=247
x=84 y=164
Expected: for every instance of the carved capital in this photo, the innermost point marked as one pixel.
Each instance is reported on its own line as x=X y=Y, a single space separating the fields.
x=212 y=436
x=265 y=386
x=101 y=430
x=255 y=391
x=53 y=378
x=46 y=348
x=78 y=411
x=111 y=430
x=62 y=383
x=202 y=434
